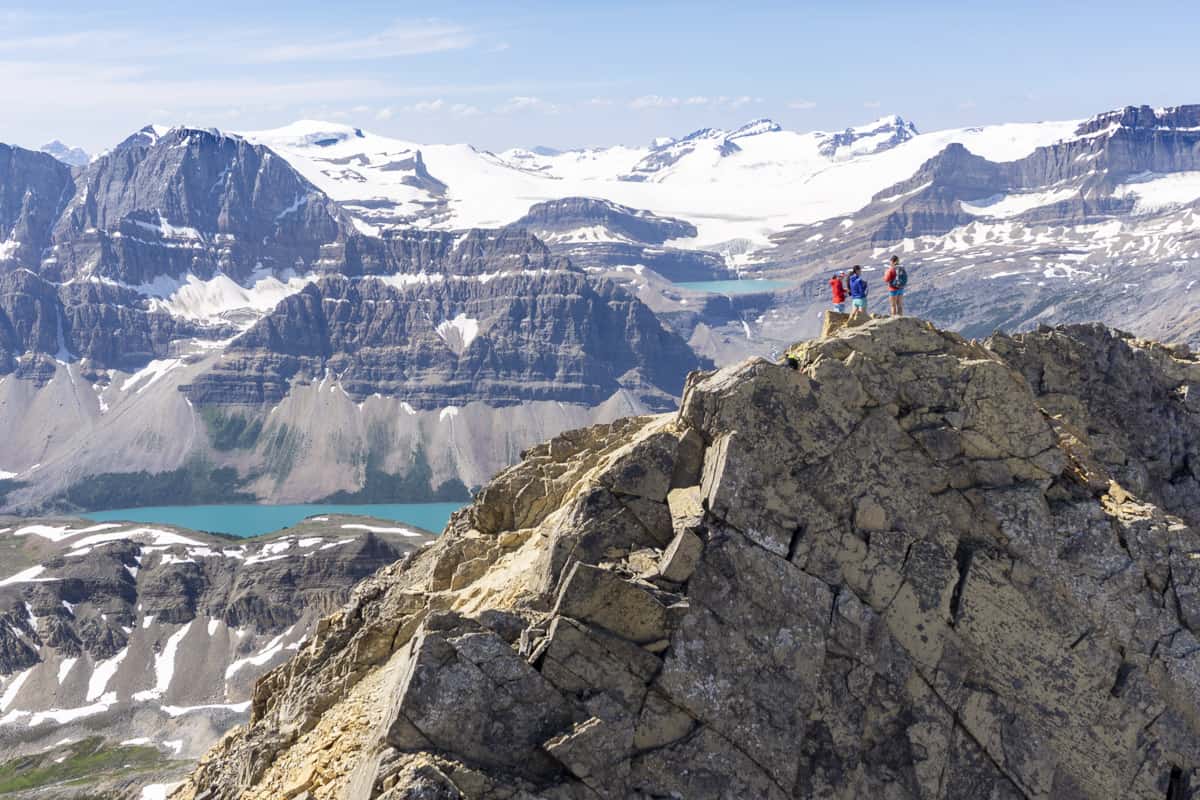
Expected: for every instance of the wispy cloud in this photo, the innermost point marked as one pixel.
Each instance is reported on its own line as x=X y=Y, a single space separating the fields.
x=400 y=39
x=872 y=104
x=523 y=103
x=802 y=105
x=650 y=101
x=653 y=101
x=438 y=106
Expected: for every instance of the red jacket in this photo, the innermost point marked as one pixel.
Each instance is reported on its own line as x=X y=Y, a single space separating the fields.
x=838 y=288
x=889 y=277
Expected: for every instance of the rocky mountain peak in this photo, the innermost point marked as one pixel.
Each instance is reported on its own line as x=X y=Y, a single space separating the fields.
x=1144 y=118
x=882 y=134
x=754 y=128
x=185 y=200
x=74 y=156
x=898 y=559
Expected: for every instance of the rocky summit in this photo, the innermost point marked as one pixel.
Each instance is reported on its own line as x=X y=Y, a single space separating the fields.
x=898 y=564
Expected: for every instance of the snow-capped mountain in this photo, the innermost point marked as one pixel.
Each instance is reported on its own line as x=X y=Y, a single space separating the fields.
x=883 y=134
x=190 y=280
x=1102 y=223
x=74 y=156
x=317 y=279
x=741 y=184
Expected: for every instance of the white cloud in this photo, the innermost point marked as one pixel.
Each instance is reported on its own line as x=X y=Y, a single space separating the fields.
x=441 y=106
x=802 y=105
x=384 y=113
x=522 y=103
x=361 y=109
x=649 y=101
x=872 y=104
x=599 y=101
x=427 y=106
x=653 y=101
x=401 y=39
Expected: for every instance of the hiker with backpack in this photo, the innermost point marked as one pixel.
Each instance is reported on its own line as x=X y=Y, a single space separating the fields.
x=837 y=286
x=858 y=292
x=896 y=278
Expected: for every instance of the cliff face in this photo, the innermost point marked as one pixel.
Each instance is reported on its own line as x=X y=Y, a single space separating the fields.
x=893 y=570
x=523 y=336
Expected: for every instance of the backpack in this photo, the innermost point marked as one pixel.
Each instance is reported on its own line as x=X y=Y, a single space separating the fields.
x=901 y=279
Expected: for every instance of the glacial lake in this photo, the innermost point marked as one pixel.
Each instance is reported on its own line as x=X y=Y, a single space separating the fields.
x=255 y=520
x=733 y=287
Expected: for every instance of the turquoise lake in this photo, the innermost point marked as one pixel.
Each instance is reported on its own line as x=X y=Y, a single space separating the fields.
x=733 y=287
x=255 y=520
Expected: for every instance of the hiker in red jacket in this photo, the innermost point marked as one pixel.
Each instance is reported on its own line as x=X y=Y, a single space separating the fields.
x=896 y=279
x=837 y=285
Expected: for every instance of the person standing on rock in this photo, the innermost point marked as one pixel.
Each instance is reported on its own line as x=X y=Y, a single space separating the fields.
x=858 y=292
x=896 y=278
x=837 y=285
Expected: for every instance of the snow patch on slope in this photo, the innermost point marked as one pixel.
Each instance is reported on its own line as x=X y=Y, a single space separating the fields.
x=211 y=300
x=1003 y=206
x=1155 y=192
x=458 y=333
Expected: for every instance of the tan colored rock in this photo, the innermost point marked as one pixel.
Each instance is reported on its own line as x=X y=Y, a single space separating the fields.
x=686 y=508
x=869 y=515
x=600 y=597
x=832 y=323
x=680 y=558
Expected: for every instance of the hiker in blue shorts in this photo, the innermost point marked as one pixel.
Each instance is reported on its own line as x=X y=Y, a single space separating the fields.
x=896 y=278
x=858 y=292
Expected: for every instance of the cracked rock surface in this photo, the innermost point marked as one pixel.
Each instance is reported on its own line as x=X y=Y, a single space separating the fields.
x=906 y=566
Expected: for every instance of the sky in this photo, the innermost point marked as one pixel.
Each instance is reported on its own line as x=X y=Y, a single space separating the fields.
x=578 y=73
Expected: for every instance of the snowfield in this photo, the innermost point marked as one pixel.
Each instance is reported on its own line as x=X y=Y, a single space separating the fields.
x=775 y=178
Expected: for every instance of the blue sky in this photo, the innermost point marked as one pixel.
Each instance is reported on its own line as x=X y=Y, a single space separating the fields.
x=580 y=73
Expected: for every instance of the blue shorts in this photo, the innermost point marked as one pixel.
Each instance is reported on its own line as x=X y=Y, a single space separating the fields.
x=860 y=302
x=839 y=307
x=896 y=293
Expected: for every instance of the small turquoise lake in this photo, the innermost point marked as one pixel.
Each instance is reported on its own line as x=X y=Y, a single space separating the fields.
x=733 y=287
x=255 y=520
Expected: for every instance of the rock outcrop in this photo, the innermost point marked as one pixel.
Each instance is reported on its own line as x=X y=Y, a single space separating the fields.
x=887 y=567
x=598 y=234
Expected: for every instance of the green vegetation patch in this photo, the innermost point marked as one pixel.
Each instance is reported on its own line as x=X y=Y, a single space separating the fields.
x=230 y=431
x=193 y=484
x=414 y=486
x=6 y=488
x=81 y=762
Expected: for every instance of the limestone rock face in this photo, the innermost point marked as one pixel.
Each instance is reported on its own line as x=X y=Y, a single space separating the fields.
x=899 y=565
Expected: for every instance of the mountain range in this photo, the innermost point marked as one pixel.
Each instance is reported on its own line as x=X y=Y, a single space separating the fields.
x=143 y=643
x=318 y=312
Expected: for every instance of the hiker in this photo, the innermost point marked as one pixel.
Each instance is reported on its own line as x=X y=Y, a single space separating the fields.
x=858 y=292
x=896 y=278
x=837 y=285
